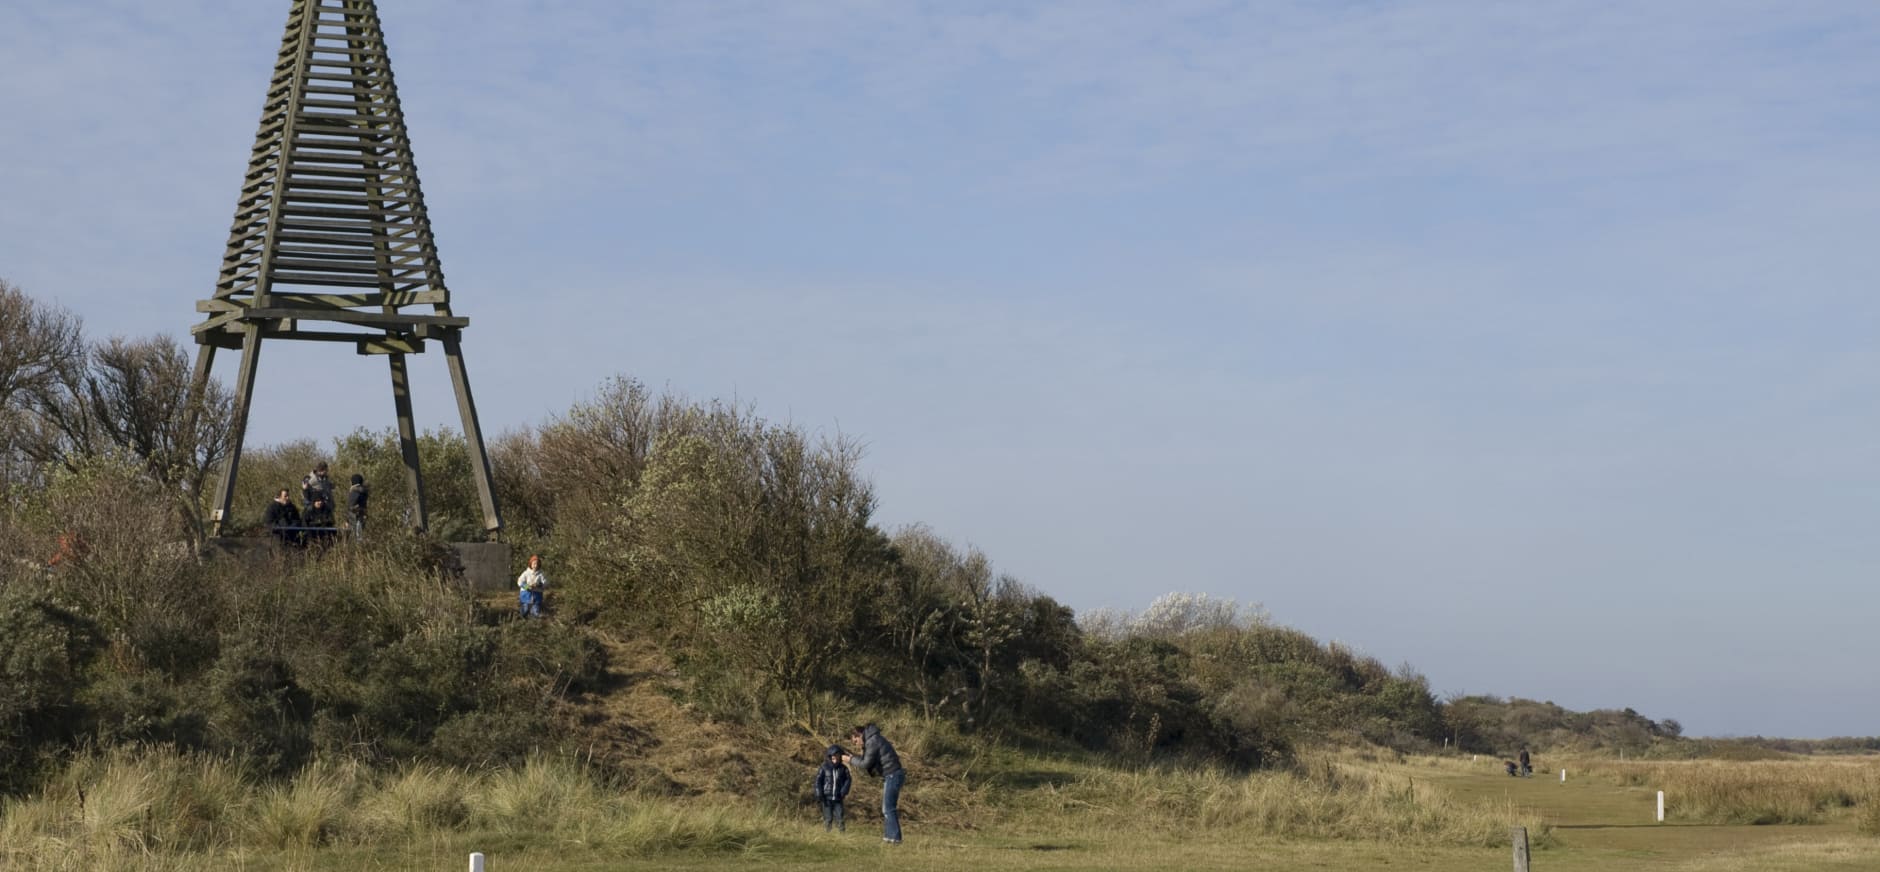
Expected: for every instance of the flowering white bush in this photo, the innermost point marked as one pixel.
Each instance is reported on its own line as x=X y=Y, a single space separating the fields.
x=1171 y=615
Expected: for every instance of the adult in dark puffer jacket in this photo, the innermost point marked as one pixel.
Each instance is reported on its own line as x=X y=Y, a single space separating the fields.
x=878 y=758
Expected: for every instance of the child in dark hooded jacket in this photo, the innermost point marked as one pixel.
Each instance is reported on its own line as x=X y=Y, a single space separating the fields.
x=831 y=785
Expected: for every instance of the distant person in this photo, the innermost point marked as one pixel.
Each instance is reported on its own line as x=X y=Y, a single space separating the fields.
x=1511 y=768
x=832 y=786
x=356 y=497
x=529 y=586
x=72 y=549
x=316 y=486
x=283 y=518
x=1527 y=768
x=878 y=758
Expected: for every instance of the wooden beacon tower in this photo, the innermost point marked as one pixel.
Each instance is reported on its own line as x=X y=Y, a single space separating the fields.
x=331 y=242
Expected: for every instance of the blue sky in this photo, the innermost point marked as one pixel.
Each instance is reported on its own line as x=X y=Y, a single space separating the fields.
x=1528 y=343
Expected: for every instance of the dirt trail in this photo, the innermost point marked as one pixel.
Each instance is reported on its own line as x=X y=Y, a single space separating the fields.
x=632 y=725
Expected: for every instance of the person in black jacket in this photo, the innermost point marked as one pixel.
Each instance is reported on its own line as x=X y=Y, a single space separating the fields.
x=831 y=785
x=318 y=514
x=282 y=517
x=878 y=758
x=1527 y=763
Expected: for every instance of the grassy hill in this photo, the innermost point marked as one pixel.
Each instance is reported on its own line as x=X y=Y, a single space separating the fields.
x=723 y=605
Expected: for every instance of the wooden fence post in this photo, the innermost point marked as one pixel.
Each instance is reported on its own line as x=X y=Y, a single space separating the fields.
x=1520 y=849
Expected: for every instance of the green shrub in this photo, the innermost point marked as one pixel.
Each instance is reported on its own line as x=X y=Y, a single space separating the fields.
x=44 y=651
x=144 y=708
x=548 y=658
x=255 y=707
x=489 y=737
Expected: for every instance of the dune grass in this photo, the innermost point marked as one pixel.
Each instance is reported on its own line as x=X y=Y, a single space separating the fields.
x=1321 y=798
x=130 y=809
x=159 y=809
x=1808 y=790
x=126 y=810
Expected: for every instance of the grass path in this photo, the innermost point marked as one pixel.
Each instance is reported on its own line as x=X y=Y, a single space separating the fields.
x=1600 y=825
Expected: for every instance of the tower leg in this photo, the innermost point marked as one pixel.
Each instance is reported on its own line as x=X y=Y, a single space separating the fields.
x=238 y=428
x=205 y=361
x=472 y=433
x=192 y=416
x=408 y=441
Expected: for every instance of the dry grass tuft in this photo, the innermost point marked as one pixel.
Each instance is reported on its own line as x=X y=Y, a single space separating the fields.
x=313 y=809
x=415 y=801
x=1795 y=791
x=125 y=809
x=1323 y=797
x=158 y=808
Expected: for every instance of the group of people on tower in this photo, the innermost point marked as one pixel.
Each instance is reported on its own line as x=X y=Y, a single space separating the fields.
x=313 y=519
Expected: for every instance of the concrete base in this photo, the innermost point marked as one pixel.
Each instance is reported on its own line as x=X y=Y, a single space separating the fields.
x=485 y=564
x=246 y=550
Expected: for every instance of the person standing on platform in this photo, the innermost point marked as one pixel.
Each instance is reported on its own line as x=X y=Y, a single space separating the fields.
x=282 y=519
x=356 y=497
x=316 y=487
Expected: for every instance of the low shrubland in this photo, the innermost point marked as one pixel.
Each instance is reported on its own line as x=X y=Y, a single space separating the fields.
x=370 y=651
x=157 y=701
x=1487 y=724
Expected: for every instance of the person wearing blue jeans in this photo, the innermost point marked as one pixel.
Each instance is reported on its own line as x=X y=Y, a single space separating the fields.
x=878 y=758
x=529 y=587
x=890 y=807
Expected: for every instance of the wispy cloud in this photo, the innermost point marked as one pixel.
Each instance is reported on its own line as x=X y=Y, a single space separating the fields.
x=1307 y=303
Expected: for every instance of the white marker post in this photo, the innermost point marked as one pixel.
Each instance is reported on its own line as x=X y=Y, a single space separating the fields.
x=476 y=862
x=1563 y=776
x=1661 y=806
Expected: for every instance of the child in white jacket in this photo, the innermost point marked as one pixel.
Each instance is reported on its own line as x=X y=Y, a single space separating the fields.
x=529 y=587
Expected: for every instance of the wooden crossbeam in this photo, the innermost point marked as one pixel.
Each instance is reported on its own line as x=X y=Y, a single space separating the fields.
x=347 y=316
x=391 y=346
x=407 y=298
